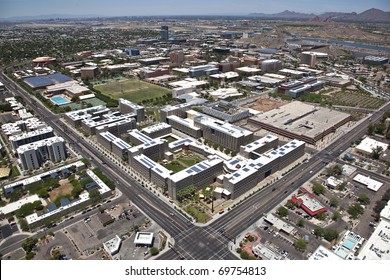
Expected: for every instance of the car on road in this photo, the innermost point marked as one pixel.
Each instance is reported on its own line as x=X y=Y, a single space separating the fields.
x=172 y=214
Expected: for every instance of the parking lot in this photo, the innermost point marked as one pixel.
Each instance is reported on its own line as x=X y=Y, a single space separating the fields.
x=61 y=241
x=89 y=234
x=129 y=251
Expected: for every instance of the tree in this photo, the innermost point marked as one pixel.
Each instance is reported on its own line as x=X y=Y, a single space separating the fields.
x=377 y=152
x=94 y=195
x=334 y=202
x=335 y=170
x=154 y=251
x=321 y=216
x=364 y=199
x=335 y=216
x=319 y=232
x=301 y=223
x=342 y=186
x=290 y=204
x=330 y=234
x=355 y=210
x=75 y=99
x=318 y=189
x=282 y=211
x=29 y=244
x=300 y=244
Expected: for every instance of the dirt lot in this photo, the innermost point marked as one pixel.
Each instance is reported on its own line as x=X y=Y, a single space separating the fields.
x=64 y=189
x=266 y=104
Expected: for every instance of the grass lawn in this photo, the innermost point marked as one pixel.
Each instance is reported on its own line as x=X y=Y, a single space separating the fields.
x=63 y=190
x=190 y=161
x=197 y=214
x=14 y=172
x=355 y=98
x=175 y=166
x=131 y=89
x=170 y=139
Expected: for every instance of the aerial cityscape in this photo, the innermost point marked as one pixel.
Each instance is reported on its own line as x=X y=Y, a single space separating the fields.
x=176 y=134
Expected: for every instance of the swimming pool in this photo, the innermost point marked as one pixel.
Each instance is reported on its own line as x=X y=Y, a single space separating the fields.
x=59 y=100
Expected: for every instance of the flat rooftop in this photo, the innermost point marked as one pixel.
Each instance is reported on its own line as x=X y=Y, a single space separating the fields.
x=324 y=254
x=195 y=169
x=31 y=134
x=12 y=207
x=301 y=118
x=377 y=247
x=186 y=122
x=260 y=143
x=130 y=104
x=40 y=143
x=367 y=181
x=144 y=238
x=140 y=136
x=156 y=127
x=368 y=144
x=150 y=164
x=224 y=127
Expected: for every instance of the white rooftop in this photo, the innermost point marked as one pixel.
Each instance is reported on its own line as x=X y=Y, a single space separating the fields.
x=385 y=213
x=279 y=224
x=367 y=145
x=143 y=238
x=130 y=104
x=37 y=178
x=377 y=247
x=41 y=143
x=156 y=127
x=322 y=253
x=224 y=127
x=260 y=143
x=13 y=206
x=112 y=245
x=367 y=181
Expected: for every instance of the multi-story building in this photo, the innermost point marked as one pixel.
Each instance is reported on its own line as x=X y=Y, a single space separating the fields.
x=151 y=170
x=157 y=130
x=271 y=65
x=90 y=125
x=177 y=110
x=177 y=57
x=137 y=137
x=126 y=107
x=30 y=137
x=184 y=125
x=222 y=133
x=198 y=175
x=89 y=72
x=309 y=58
x=152 y=72
x=262 y=145
x=164 y=33
x=21 y=126
x=75 y=117
x=266 y=164
x=202 y=70
x=226 y=111
x=154 y=149
x=117 y=128
x=33 y=155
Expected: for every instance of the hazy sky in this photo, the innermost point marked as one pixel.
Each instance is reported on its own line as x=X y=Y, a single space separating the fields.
x=12 y=8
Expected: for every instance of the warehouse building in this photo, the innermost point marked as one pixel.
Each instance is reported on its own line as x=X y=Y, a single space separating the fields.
x=301 y=121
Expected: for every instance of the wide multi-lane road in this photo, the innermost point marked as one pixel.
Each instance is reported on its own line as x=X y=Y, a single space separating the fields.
x=195 y=242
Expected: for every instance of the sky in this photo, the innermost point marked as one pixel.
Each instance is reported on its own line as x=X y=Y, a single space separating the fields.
x=19 y=8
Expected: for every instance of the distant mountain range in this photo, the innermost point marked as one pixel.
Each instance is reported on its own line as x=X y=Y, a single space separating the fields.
x=371 y=15
x=47 y=17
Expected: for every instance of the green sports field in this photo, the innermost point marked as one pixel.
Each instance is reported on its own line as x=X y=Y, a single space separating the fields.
x=133 y=90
